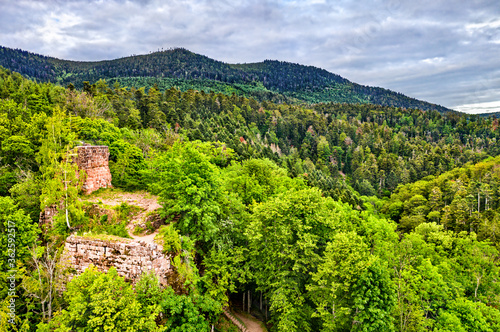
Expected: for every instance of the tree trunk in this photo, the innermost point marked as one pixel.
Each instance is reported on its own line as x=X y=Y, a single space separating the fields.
x=478 y=278
x=478 y=201
x=249 y=304
x=260 y=300
x=243 y=300
x=66 y=193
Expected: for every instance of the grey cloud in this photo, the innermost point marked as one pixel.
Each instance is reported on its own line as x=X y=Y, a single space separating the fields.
x=441 y=51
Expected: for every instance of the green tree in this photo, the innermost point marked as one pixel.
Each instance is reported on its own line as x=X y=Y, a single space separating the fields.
x=17 y=235
x=373 y=299
x=189 y=189
x=100 y=302
x=345 y=259
x=126 y=164
x=191 y=312
x=61 y=180
x=286 y=237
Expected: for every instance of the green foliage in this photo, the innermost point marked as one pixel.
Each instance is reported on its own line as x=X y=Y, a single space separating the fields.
x=255 y=180
x=234 y=176
x=100 y=302
x=96 y=131
x=188 y=312
x=462 y=199
x=109 y=223
x=465 y=315
x=149 y=294
x=189 y=189
x=171 y=240
x=286 y=237
x=374 y=300
x=224 y=270
x=17 y=235
x=126 y=163
x=26 y=193
x=336 y=286
x=268 y=80
x=61 y=181
x=185 y=267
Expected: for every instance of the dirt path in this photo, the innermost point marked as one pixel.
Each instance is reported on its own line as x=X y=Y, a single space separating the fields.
x=252 y=324
x=144 y=200
x=147 y=238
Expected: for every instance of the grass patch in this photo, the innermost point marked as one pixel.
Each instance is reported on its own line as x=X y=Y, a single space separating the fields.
x=104 y=237
x=126 y=211
x=107 y=193
x=102 y=219
x=138 y=230
x=225 y=325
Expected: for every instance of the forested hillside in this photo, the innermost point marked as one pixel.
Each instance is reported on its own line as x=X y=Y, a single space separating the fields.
x=330 y=217
x=180 y=68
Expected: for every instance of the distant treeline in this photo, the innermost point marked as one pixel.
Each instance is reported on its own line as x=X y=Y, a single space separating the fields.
x=268 y=80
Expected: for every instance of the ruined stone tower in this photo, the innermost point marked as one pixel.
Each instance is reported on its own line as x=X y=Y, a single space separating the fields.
x=94 y=161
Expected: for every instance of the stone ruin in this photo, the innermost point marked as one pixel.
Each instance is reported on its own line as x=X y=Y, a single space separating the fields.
x=47 y=215
x=130 y=258
x=94 y=161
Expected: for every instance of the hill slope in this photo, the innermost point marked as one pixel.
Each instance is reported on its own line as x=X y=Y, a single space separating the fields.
x=273 y=80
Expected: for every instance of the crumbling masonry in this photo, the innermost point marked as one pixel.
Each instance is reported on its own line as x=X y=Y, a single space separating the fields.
x=94 y=161
x=130 y=258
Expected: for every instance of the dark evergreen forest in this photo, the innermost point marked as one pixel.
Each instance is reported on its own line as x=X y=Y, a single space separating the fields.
x=269 y=80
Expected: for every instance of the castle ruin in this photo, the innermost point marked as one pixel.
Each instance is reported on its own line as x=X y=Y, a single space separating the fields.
x=130 y=258
x=94 y=161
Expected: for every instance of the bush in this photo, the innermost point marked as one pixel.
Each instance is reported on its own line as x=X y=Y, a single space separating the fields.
x=171 y=240
x=126 y=164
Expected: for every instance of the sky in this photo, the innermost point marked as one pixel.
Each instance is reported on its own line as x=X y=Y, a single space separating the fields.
x=443 y=51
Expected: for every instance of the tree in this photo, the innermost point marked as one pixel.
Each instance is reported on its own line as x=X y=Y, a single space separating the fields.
x=465 y=315
x=373 y=299
x=43 y=277
x=286 y=238
x=345 y=259
x=191 y=312
x=126 y=164
x=100 y=302
x=17 y=235
x=61 y=180
x=189 y=189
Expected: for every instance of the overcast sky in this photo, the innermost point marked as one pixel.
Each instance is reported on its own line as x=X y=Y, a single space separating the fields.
x=442 y=51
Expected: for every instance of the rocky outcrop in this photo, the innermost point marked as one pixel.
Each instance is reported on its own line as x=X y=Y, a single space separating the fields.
x=130 y=258
x=94 y=161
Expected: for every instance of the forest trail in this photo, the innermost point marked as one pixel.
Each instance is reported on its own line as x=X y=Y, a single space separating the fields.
x=144 y=200
x=146 y=238
x=252 y=324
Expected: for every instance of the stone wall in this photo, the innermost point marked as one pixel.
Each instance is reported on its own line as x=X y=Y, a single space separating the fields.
x=94 y=161
x=47 y=215
x=129 y=257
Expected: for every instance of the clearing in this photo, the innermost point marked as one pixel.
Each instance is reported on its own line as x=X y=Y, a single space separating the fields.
x=114 y=197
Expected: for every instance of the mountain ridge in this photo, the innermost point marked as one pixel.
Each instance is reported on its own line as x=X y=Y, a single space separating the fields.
x=273 y=79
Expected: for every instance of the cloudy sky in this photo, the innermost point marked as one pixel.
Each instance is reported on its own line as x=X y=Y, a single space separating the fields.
x=442 y=51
